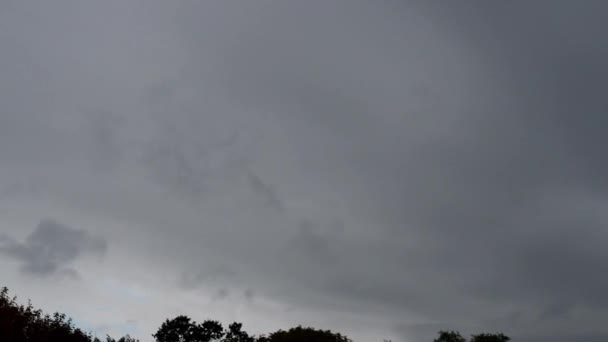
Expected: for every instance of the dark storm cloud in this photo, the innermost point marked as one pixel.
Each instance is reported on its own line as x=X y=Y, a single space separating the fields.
x=429 y=165
x=555 y=57
x=52 y=248
x=531 y=187
x=505 y=191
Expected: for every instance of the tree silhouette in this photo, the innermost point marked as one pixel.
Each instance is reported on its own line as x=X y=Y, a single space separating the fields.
x=183 y=329
x=449 y=336
x=454 y=336
x=236 y=334
x=125 y=338
x=179 y=329
x=213 y=330
x=300 y=334
x=499 y=337
x=23 y=323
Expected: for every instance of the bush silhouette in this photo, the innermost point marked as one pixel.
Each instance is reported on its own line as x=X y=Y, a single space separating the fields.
x=23 y=323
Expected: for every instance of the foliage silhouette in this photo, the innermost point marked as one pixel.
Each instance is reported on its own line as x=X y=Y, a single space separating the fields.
x=23 y=323
x=454 y=336
x=300 y=334
x=499 y=337
x=183 y=329
x=449 y=336
x=236 y=334
x=125 y=338
x=212 y=329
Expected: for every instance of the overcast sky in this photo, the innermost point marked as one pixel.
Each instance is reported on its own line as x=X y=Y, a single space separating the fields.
x=384 y=169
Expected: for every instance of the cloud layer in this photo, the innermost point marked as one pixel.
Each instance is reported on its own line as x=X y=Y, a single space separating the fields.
x=387 y=170
x=51 y=248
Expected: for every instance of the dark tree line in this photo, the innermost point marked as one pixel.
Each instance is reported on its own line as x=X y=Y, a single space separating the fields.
x=454 y=336
x=183 y=329
x=23 y=323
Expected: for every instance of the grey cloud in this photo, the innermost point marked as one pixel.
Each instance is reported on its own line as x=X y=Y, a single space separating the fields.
x=190 y=158
x=249 y=294
x=428 y=164
x=214 y=275
x=309 y=244
x=172 y=166
x=52 y=248
x=107 y=141
x=222 y=293
x=480 y=151
x=265 y=191
x=591 y=337
x=557 y=309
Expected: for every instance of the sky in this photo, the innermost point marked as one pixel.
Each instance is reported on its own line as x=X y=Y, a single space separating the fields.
x=384 y=169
